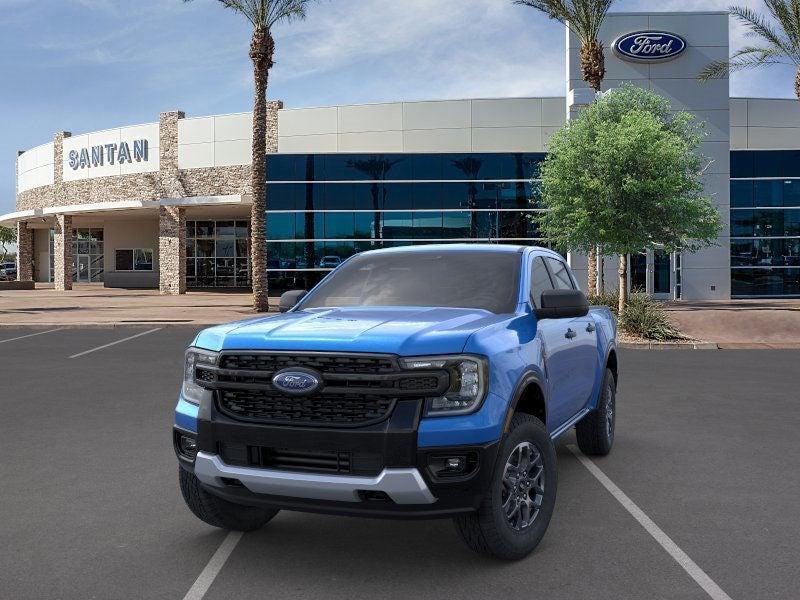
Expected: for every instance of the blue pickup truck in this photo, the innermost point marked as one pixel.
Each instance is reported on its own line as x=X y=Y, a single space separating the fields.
x=414 y=382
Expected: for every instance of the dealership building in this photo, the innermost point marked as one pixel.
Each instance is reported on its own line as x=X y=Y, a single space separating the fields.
x=167 y=204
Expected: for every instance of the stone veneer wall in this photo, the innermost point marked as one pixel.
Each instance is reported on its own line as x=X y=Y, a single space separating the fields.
x=62 y=250
x=24 y=252
x=171 y=250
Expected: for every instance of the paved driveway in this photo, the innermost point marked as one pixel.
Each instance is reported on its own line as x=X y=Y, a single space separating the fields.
x=706 y=447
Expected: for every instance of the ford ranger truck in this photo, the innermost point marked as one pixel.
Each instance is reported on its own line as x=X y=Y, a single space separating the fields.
x=414 y=382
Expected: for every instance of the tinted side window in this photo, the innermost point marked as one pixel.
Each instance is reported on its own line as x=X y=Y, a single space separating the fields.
x=540 y=281
x=561 y=277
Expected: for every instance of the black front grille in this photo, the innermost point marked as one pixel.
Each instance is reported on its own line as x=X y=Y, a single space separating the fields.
x=268 y=407
x=356 y=389
x=325 y=363
x=293 y=459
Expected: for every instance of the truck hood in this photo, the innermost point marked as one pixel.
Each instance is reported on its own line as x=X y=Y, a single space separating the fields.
x=403 y=331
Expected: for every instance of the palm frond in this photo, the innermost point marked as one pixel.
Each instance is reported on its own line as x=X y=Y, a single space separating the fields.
x=583 y=17
x=759 y=26
x=745 y=58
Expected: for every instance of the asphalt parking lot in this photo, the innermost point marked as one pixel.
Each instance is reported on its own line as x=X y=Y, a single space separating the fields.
x=707 y=446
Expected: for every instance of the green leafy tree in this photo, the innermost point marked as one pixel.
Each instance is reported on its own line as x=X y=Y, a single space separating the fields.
x=626 y=174
x=263 y=15
x=584 y=19
x=8 y=236
x=778 y=40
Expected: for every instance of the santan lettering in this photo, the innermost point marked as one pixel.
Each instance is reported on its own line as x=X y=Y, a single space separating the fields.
x=644 y=44
x=97 y=156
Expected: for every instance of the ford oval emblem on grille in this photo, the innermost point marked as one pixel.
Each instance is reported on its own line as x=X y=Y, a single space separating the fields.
x=297 y=381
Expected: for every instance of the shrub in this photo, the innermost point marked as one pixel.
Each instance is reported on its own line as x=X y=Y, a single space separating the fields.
x=646 y=318
x=642 y=317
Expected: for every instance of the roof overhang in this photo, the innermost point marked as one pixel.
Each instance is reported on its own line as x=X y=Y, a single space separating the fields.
x=13 y=218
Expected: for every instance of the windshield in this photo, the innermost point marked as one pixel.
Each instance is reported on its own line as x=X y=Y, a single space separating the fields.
x=462 y=279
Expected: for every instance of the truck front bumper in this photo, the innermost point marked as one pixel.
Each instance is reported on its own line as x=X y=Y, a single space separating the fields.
x=385 y=472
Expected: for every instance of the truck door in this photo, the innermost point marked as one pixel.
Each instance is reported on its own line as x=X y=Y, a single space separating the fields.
x=581 y=341
x=558 y=355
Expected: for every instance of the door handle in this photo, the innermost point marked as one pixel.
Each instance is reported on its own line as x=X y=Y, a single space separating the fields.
x=590 y=327
x=570 y=334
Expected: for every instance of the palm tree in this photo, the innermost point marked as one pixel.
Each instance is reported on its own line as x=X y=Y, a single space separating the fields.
x=584 y=19
x=263 y=15
x=780 y=41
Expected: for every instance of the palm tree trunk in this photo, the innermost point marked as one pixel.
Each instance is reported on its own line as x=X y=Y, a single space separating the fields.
x=797 y=84
x=623 y=282
x=261 y=51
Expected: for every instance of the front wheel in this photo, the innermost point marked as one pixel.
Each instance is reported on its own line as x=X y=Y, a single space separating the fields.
x=218 y=512
x=516 y=510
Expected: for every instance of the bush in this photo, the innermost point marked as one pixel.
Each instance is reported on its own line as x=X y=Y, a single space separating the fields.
x=646 y=318
x=642 y=317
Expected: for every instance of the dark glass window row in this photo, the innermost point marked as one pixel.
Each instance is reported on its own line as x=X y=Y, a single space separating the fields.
x=765 y=163
x=217 y=254
x=765 y=223
x=745 y=194
x=402 y=225
x=327 y=255
x=399 y=196
x=765 y=282
x=381 y=167
x=765 y=253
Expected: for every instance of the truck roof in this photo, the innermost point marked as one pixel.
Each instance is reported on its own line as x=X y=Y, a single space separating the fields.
x=456 y=248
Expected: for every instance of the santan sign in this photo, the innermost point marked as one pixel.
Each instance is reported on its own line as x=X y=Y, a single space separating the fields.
x=649 y=46
x=97 y=156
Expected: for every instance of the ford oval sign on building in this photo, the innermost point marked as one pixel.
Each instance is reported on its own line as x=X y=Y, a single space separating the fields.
x=649 y=46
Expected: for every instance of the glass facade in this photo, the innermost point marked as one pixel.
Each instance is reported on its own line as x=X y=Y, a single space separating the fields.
x=765 y=223
x=217 y=254
x=322 y=208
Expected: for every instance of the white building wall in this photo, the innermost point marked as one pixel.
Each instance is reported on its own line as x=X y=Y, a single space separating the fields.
x=35 y=167
x=706 y=275
x=215 y=141
x=765 y=124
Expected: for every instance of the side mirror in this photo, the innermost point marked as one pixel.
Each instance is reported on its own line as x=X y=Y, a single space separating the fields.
x=562 y=304
x=290 y=299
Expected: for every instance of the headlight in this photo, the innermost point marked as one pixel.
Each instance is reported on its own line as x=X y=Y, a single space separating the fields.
x=468 y=382
x=192 y=391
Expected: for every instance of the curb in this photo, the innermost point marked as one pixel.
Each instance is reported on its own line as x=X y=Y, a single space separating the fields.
x=669 y=345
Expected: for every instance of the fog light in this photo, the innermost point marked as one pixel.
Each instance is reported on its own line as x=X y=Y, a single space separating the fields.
x=187 y=446
x=454 y=464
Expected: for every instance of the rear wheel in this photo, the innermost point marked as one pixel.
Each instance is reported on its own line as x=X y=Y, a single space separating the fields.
x=516 y=510
x=595 y=432
x=218 y=512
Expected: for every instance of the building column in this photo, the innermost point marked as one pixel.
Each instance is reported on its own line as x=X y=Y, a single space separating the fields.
x=62 y=253
x=24 y=252
x=171 y=250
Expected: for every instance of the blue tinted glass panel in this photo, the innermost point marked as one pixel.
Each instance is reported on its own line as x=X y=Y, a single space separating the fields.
x=281 y=167
x=339 y=225
x=742 y=223
x=396 y=196
x=398 y=225
x=790 y=165
x=280 y=226
x=742 y=164
x=426 y=166
x=456 y=224
x=426 y=195
x=427 y=225
x=765 y=282
x=339 y=196
x=791 y=222
x=791 y=192
x=765 y=253
x=365 y=225
x=768 y=193
x=282 y=196
x=768 y=163
x=366 y=196
x=455 y=195
x=741 y=194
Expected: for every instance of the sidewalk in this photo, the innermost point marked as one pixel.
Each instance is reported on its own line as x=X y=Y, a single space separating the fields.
x=740 y=323
x=94 y=305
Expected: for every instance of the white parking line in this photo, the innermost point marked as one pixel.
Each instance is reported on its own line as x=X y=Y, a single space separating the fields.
x=22 y=337
x=214 y=566
x=695 y=572
x=115 y=343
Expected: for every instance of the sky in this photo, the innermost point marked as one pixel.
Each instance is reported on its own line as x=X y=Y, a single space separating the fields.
x=86 y=65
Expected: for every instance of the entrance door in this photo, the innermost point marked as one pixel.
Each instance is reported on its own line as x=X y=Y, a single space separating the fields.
x=662 y=270
x=83 y=268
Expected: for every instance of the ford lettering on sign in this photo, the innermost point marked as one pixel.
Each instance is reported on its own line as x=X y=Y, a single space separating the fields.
x=649 y=46
x=296 y=381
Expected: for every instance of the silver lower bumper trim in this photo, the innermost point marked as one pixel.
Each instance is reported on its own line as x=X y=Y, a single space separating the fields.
x=404 y=486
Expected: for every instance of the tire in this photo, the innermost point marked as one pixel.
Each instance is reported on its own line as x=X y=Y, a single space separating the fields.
x=488 y=531
x=595 y=432
x=218 y=512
